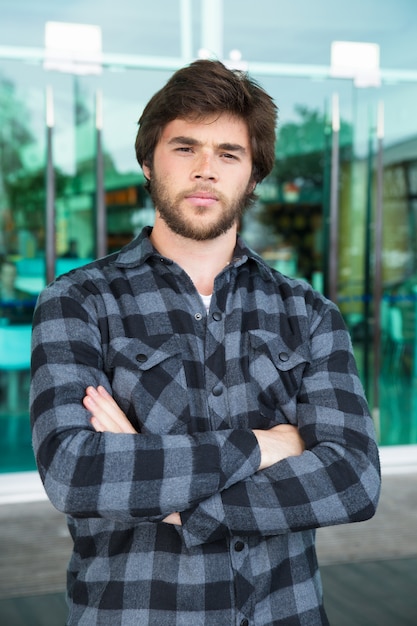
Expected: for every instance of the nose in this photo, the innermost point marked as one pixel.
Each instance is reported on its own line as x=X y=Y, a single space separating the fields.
x=204 y=167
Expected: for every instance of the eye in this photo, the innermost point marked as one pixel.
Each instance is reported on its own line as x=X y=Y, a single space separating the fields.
x=228 y=156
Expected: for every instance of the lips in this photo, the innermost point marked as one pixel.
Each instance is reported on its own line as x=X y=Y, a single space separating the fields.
x=202 y=198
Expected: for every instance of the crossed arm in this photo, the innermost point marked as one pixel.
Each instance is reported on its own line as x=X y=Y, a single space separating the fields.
x=275 y=444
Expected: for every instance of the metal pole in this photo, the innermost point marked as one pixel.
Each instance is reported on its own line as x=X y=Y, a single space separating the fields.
x=378 y=266
x=367 y=265
x=326 y=206
x=50 y=243
x=334 y=203
x=101 y=221
x=186 y=30
x=212 y=28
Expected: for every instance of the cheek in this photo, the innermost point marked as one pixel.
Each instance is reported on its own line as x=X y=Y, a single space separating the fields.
x=247 y=185
x=171 y=170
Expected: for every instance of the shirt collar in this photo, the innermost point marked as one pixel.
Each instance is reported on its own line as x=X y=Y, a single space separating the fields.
x=244 y=254
x=140 y=249
x=137 y=251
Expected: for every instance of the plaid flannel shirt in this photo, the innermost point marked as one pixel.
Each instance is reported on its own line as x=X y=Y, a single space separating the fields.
x=270 y=351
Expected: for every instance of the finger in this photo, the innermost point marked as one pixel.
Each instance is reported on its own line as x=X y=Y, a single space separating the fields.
x=114 y=411
x=100 y=416
x=101 y=409
x=102 y=405
x=105 y=402
x=96 y=424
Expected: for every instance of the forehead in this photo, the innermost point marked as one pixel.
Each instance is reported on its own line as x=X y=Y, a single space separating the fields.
x=217 y=129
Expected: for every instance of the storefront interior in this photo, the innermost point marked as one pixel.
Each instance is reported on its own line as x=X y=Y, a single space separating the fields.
x=339 y=209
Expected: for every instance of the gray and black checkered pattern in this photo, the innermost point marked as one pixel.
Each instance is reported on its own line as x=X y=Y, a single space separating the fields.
x=270 y=351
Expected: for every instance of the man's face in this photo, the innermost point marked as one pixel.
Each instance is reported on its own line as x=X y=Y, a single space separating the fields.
x=201 y=175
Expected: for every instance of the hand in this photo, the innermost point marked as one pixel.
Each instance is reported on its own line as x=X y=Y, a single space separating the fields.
x=106 y=414
x=278 y=443
x=173 y=518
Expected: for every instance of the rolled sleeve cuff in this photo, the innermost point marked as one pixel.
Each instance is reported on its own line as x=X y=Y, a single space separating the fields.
x=240 y=458
x=205 y=523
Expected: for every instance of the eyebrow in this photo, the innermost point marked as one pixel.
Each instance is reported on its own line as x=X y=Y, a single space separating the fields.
x=190 y=141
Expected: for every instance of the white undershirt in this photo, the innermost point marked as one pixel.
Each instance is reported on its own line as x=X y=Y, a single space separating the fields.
x=206 y=301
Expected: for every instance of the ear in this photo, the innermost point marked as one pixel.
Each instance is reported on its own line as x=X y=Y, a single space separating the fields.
x=146 y=170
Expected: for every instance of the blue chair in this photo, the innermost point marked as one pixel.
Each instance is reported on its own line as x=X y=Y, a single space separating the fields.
x=15 y=351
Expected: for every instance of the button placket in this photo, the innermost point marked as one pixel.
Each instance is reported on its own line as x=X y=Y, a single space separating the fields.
x=238 y=553
x=217 y=390
x=215 y=372
x=239 y=558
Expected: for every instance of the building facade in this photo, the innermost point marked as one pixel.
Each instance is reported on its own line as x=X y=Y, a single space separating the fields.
x=339 y=209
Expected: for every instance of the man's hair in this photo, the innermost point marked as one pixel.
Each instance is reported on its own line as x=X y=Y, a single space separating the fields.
x=205 y=88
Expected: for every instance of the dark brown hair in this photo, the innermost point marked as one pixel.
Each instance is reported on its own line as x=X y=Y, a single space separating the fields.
x=204 y=88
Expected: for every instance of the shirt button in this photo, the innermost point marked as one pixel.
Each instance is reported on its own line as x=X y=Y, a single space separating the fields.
x=239 y=545
x=198 y=317
x=217 y=390
x=141 y=358
x=244 y=622
x=217 y=316
x=283 y=356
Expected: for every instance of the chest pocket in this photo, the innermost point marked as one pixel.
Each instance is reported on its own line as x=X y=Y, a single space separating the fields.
x=148 y=382
x=276 y=372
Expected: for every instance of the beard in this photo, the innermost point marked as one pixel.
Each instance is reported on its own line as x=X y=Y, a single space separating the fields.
x=191 y=227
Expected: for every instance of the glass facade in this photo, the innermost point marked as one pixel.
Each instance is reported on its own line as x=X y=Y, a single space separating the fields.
x=339 y=209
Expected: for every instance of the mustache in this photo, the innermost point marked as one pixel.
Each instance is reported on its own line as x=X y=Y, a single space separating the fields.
x=203 y=189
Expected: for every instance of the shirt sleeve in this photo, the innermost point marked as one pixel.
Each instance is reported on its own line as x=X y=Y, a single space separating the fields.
x=335 y=481
x=122 y=477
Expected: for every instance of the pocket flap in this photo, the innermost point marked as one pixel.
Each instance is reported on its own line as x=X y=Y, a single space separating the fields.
x=133 y=353
x=283 y=357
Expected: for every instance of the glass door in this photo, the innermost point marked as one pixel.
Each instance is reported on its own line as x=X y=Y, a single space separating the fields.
x=291 y=225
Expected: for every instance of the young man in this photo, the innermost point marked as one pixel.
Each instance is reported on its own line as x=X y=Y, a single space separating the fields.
x=195 y=413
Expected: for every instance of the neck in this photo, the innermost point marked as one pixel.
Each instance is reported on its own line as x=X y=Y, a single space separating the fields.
x=202 y=260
